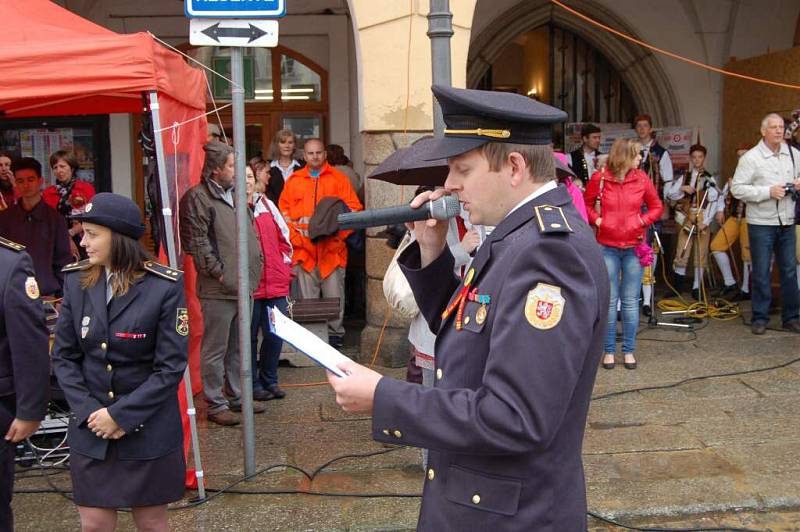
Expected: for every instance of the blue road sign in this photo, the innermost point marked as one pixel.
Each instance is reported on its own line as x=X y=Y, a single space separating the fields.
x=235 y=8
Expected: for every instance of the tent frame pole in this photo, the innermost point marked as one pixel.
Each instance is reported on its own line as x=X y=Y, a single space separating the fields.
x=169 y=239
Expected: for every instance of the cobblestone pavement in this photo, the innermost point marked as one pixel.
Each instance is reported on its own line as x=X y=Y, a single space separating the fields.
x=712 y=452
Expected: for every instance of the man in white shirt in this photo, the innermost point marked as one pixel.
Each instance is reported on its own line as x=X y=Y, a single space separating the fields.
x=767 y=178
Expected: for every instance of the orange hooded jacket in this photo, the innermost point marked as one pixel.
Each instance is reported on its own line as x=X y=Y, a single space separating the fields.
x=299 y=198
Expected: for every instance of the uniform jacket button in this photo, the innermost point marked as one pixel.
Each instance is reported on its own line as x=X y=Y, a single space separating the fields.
x=439 y=374
x=398 y=434
x=386 y=432
x=110 y=395
x=476 y=499
x=109 y=368
x=466 y=320
x=431 y=474
x=104 y=346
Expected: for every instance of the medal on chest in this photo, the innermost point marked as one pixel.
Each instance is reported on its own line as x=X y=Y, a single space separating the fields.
x=468 y=293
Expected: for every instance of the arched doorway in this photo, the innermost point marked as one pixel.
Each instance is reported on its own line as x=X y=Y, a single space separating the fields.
x=283 y=90
x=630 y=78
x=560 y=68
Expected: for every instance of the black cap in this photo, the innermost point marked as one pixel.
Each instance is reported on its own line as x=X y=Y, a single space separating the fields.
x=116 y=212
x=473 y=118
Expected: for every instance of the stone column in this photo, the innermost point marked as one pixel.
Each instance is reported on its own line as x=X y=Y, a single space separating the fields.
x=395 y=109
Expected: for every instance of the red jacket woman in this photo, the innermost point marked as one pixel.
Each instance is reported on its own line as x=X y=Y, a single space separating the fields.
x=622 y=202
x=620 y=205
x=277 y=272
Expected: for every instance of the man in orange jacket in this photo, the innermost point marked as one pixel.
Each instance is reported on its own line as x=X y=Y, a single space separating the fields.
x=319 y=266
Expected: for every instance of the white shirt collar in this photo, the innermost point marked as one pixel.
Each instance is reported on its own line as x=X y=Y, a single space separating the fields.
x=767 y=152
x=547 y=187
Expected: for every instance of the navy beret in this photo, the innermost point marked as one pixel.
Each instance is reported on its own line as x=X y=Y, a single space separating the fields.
x=116 y=212
x=475 y=117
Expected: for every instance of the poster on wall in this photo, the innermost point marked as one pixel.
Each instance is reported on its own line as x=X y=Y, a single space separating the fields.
x=676 y=139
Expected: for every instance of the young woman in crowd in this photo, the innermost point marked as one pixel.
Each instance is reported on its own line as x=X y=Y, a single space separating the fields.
x=615 y=199
x=282 y=162
x=69 y=195
x=272 y=290
x=119 y=354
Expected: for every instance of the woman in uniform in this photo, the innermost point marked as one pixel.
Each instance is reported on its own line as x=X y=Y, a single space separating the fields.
x=120 y=352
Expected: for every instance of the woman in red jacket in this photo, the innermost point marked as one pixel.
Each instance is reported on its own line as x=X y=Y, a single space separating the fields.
x=272 y=291
x=621 y=202
x=69 y=195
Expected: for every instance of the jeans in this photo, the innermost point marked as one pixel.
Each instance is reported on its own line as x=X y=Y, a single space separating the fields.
x=265 y=366
x=764 y=240
x=625 y=280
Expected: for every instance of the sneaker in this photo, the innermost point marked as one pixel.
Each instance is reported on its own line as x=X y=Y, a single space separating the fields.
x=226 y=418
x=258 y=407
x=792 y=326
x=263 y=395
x=276 y=392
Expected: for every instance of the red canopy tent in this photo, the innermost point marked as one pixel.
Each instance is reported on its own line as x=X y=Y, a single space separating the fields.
x=57 y=63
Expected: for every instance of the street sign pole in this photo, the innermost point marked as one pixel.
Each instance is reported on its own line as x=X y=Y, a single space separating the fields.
x=244 y=25
x=242 y=222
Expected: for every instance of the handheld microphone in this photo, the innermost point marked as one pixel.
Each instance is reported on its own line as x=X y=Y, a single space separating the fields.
x=440 y=209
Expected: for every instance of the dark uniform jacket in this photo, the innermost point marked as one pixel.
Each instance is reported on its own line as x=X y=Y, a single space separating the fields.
x=505 y=421
x=129 y=356
x=24 y=360
x=208 y=234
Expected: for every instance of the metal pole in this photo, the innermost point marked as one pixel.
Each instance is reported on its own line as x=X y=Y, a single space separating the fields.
x=169 y=239
x=242 y=222
x=440 y=30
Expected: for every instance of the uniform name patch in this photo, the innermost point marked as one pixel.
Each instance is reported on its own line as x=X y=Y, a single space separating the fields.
x=31 y=288
x=182 y=322
x=544 y=306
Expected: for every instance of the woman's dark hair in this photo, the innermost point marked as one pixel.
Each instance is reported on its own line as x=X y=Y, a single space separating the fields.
x=66 y=156
x=336 y=156
x=127 y=262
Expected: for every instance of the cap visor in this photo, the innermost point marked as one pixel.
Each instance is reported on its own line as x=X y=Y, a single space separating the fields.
x=446 y=147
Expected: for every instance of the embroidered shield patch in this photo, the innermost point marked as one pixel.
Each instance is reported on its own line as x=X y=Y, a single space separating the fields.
x=182 y=322
x=544 y=306
x=31 y=288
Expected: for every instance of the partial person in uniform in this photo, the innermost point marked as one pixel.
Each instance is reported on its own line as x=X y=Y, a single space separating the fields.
x=24 y=363
x=657 y=164
x=732 y=219
x=519 y=339
x=695 y=204
x=120 y=352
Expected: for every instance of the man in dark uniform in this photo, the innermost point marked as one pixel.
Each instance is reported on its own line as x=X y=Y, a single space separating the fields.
x=24 y=363
x=519 y=339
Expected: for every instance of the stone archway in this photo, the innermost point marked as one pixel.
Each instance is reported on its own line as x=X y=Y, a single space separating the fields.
x=640 y=69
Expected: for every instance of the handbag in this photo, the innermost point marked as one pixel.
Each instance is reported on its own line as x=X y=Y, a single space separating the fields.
x=396 y=289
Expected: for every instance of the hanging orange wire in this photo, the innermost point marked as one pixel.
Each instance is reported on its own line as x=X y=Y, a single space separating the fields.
x=674 y=55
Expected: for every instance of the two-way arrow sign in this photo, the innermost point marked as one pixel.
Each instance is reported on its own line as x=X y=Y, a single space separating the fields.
x=214 y=32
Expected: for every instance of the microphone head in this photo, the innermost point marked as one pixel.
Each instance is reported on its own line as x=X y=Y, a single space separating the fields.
x=445 y=207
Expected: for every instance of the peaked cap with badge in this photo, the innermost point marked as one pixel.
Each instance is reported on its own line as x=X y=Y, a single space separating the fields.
x=127 y=353
x=518 y=345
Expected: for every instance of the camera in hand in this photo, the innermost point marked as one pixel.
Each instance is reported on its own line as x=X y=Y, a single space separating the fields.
x=791 y=191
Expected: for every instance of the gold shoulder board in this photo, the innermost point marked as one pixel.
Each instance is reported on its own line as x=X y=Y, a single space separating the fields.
x=162 y=271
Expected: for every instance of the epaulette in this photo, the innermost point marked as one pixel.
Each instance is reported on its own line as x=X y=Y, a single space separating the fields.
x=13 y=246
x=75 y=266
x=552 y=220
x=162 y=271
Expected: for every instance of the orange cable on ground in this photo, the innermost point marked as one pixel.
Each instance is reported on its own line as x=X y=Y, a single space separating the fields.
x=371 y=364
x=674 y=55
